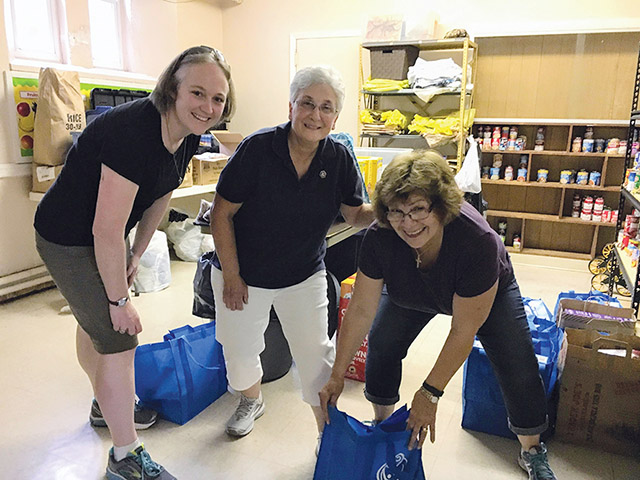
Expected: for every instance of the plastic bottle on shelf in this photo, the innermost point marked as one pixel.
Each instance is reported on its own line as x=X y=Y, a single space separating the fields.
x=508 y=173
x=576 y=145
x=495 y=138
x=539 y=142
x=517 y=243
x=502 y=231
x=588 y=134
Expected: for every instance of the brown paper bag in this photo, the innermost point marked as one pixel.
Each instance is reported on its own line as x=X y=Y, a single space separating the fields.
x=60 y=112
x=600 y=391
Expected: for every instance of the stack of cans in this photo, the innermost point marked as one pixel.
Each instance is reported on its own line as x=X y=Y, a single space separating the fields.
x=587 y=208
x=598 y=207
x=577 y=204
x=631 y=224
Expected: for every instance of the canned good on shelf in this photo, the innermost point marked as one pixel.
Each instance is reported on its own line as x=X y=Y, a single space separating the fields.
x=582 y=177
x=543 y=174
x=565 y=176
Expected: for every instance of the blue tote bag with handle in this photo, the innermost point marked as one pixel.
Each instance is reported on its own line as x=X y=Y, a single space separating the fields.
x=182 y=375
x=351 y=450
x=483 y=408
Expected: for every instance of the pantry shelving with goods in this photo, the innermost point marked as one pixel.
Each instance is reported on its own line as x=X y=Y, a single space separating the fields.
x=630 y=201
x=464 y=52
x=541 y=212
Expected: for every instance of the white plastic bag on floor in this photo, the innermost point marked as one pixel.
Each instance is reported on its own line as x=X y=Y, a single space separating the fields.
x=468 y=178
x=154 y=271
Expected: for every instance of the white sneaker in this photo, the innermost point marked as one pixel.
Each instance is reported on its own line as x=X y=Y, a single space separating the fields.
x=241 y=422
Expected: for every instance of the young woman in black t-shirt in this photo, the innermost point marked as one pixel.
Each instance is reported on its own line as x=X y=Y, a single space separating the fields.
x=122 y=171
x=436 y=254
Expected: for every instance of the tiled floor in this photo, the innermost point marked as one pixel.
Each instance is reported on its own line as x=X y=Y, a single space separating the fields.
x=45 y=400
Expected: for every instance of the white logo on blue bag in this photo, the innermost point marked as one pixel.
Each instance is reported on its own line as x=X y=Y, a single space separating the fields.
x=383 y=474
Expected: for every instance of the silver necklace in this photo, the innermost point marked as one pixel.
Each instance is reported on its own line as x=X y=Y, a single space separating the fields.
x=173 y=155
x=175 y=163
x=418 y=261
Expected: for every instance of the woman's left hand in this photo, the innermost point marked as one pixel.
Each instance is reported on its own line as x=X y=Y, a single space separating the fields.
x=421 y=418
x=132 y=269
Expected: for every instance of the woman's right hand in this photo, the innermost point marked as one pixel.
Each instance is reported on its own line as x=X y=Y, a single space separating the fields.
x=330 y=393
x=125 y=319
x=235 y=292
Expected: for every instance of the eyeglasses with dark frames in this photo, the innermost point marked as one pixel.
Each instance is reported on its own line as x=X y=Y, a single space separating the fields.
x=417 y=213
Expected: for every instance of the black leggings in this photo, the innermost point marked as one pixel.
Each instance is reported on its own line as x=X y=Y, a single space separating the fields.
x=505 y=337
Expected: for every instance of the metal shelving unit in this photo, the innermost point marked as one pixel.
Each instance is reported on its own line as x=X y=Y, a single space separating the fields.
x=630 y=274
x=469 y=51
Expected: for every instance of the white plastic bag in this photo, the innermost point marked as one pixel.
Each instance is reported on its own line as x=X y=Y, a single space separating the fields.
x=468 y=178
x=186 y=239
x=154 y=271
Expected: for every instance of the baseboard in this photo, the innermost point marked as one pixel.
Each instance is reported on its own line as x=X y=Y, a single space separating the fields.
x=24 y=282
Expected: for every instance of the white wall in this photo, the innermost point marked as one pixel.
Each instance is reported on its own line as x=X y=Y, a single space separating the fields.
x=257 y=33
x=254 y=37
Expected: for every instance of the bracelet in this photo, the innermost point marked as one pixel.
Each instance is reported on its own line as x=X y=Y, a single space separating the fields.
x=432 y=390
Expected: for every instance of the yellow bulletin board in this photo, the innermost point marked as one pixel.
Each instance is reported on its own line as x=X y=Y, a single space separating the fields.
x=25 y=95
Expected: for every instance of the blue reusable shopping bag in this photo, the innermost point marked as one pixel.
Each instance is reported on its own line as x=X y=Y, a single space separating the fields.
x=351 y=450
x=483 y=408
x=182 y=375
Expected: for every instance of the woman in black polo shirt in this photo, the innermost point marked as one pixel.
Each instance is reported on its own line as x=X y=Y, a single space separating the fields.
x=436 y=254
x=275 y=201
x=121 y=172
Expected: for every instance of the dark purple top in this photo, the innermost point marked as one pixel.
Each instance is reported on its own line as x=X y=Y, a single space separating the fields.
x=471 y=259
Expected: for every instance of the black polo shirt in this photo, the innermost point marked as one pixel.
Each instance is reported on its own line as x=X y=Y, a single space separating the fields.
x=128 y=140
x=282 y=224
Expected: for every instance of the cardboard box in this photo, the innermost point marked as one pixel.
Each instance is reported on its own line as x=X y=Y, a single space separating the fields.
x=599 y=401
x=355 y=371
x=603 y=318
x=187 y=181
x=44 y=176
x=206 y=168
x=228 y=141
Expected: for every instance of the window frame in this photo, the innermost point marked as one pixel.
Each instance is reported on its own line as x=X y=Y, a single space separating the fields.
x=58 y=24
x=121 y=9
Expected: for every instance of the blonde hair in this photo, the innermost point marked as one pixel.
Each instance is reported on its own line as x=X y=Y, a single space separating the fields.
x=421 y=172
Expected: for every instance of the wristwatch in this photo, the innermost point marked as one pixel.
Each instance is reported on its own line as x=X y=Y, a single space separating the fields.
x=121 y=302
x=432 y=393
x=430 y=396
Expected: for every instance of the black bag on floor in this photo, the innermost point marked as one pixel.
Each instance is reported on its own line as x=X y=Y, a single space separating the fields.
x=203 y=303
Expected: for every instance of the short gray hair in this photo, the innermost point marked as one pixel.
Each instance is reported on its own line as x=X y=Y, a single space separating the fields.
x=319 y=74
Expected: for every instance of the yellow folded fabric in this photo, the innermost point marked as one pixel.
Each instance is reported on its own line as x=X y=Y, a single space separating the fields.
x=449 y=125
x=385 y=85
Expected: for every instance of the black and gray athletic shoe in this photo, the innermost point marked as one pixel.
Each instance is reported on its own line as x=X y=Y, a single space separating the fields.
x=137 y=465
x=143 y=417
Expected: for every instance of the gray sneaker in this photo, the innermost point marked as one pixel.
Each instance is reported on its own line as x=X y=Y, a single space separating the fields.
x=143 y=417
x=536 y=464
x=137 y=465
x=241 y=422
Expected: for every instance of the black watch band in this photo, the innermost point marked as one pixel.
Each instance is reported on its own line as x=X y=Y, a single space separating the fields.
x=432 y=390
x=121 y=302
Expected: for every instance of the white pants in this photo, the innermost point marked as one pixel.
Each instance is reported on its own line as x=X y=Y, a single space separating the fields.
x=302 y=311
